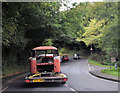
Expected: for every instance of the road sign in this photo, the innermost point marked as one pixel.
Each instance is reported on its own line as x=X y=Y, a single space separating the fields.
x=113 y=59
x=91 y=48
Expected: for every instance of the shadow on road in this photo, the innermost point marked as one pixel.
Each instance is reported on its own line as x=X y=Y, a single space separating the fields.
x=42 y=85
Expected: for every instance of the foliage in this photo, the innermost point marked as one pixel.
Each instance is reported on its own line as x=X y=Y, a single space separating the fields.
x=48 y=42
x=102 y=30
x=95 y=24
x=71 y=25
x=26 y=25
x=96 y=63
x=62 y=51
x=93 y=32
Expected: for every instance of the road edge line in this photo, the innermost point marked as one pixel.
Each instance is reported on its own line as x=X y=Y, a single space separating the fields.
x=10 y=81
x=104 y=77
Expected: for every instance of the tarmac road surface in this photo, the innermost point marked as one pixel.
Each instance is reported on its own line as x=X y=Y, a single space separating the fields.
x=79 y=81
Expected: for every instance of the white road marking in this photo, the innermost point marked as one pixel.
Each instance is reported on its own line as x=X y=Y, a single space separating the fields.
x=92 y=68
x=4 y=89
x=101 y=78
x=89 y=67
x=71 y=88
x=12 y=81
x=66 y=85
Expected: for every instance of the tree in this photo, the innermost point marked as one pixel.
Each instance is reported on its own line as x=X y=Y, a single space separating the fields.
x=25 y=26
x=102 y=30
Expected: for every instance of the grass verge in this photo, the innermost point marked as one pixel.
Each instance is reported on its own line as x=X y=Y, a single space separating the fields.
x=97 y=63
x=113 y=72
x=14 y=70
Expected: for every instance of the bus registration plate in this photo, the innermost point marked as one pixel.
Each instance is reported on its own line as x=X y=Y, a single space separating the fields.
x=38 y=80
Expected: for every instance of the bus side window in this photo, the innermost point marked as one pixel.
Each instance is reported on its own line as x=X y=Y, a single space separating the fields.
x=56 y=53
x=33 y=53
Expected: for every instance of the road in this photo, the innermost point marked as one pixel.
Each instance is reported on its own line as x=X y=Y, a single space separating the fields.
x=79 y=81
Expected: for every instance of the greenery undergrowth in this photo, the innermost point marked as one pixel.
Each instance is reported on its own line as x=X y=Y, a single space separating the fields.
x=113 y=71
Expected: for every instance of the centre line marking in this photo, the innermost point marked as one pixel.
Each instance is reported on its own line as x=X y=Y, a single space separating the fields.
x=71 y=88
x=66 y=85
x=4 y=89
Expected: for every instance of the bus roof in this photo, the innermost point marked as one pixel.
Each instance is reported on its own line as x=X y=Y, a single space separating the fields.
x=45 y=48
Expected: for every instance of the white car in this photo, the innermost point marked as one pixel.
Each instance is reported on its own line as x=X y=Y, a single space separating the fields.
x=76 y=56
